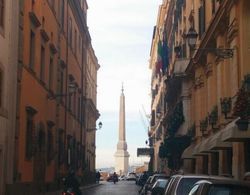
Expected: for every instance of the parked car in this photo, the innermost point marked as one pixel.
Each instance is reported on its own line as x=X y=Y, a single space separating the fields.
x=144 y=188
x=182 y=184
x=131 y=176
x=150 y=182
x=158 y=187
x=141 y=180
x=220 y=187
x=154 y=178
x=122 y=177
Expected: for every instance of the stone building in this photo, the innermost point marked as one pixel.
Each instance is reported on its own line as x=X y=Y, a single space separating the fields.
x=206 y=86
x=8 y=70
x=56 y=80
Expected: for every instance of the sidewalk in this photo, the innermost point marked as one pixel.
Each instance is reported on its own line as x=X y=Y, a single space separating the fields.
x=82 y=188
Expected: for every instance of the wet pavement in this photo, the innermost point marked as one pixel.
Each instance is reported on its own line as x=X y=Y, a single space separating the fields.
x=109 y=188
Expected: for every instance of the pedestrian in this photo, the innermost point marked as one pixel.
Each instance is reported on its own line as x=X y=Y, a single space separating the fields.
x=98 y=176
x=115 y=177
x=72 y=182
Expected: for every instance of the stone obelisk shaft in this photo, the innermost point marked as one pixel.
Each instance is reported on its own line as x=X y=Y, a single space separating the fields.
x=122 y=155
x=122 y=136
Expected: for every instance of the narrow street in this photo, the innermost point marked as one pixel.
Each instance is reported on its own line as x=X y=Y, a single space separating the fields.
x=109 y=188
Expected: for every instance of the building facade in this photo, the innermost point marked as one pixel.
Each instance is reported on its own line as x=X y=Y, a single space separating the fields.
x=8 y=70
x=52 y=95
x=206 y=87
x=91 y=112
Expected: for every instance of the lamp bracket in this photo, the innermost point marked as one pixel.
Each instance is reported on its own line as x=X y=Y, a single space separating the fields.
x=224 y=53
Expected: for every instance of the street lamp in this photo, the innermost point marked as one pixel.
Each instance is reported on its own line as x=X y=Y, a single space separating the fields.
x=72 y=89
x=220 y=52
x=94 y=129
x=191 y=37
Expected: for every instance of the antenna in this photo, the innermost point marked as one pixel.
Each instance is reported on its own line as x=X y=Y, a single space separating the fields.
x=146 y=115
x=143 y=122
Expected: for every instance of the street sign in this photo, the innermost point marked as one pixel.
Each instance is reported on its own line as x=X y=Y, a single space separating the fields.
x=145 y=151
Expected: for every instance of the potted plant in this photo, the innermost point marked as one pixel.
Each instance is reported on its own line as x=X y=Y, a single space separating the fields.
x=203 y=125
x=213 y=117
x=242 y=105
x=226 y=105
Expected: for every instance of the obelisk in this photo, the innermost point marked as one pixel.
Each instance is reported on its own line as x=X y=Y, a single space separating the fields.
x=122 y=155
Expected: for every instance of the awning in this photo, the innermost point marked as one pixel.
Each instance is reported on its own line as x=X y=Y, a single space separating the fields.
x=204 y=147
x=231 y=133
x=216 y=142
x=196 y=151
x=188 y=152
x=180 y=66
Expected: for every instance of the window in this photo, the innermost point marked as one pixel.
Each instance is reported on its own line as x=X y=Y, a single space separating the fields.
x=61 y=147
x=215 y=163
x=62 y=14
x=42 y=65
x=75 y=44
x=213 y=6
x=80 y=42
x=79 y=108
x=205 y=164
x=247 y=156
x=202 y=18
x=29 y=127
x=1 y=87
x=70 y=32
x=32 y=50
x=74 y=103
x=70 y=100
x=50 y=146
x=1 y=13
x=51 y=72
x=29 y=142
x=153 y=118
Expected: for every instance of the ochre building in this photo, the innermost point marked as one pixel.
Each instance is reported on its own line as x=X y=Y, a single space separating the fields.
x=200 y=91
x=56 y=96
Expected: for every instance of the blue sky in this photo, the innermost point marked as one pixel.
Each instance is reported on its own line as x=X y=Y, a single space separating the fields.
x=121 y=32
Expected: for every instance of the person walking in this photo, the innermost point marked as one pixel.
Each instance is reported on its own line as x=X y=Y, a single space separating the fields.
x=98 y=176
x=115 y=177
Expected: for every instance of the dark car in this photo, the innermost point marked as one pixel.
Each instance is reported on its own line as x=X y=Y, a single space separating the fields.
x=151 y=180
x=141 y=180
x=220 y=187
x=158 y=187
x=144 y=189
x=182 y=184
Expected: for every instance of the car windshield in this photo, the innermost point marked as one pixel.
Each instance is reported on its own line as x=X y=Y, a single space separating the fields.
x=162 y=183
x=158 y=177
x=185 y=185
x=229 y=190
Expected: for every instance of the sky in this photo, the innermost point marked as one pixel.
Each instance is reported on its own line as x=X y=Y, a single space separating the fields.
x=121 y=32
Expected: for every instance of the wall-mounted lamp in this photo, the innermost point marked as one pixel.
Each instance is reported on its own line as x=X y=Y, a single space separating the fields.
x=191 y=37
x=72 y=89
x=94 y=129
